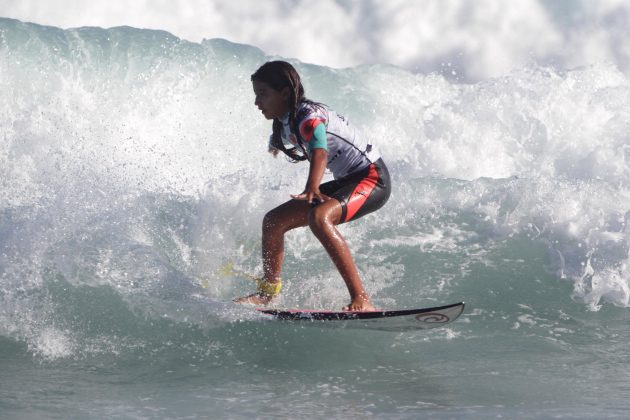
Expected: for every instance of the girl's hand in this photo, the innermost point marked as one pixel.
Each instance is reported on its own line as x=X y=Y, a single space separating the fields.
x=271 y=148
x=312 y=197
x=273 y=151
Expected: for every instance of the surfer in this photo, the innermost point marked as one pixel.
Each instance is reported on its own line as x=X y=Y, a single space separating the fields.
x=307 y=130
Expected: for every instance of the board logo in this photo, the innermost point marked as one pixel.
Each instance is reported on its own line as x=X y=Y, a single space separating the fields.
x=432 y=318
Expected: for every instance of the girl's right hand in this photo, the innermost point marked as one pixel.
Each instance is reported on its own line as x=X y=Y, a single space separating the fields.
x=273 y=151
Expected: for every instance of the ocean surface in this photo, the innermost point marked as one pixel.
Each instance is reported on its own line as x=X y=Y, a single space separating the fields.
x=133 y=167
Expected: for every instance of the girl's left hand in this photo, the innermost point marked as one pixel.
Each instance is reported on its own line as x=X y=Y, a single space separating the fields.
x=312 y=197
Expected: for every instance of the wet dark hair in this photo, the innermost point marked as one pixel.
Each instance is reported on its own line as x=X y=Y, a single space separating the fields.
x=279 y=75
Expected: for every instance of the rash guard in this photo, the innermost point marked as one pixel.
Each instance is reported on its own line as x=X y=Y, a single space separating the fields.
x=319 y=127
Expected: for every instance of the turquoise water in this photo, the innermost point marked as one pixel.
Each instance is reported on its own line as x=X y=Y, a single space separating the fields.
x=133 y=167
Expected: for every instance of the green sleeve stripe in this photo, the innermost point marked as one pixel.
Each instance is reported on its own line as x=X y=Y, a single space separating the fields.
x=319 y=139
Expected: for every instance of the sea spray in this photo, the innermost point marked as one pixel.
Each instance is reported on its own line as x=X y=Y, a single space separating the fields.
x=136 y=162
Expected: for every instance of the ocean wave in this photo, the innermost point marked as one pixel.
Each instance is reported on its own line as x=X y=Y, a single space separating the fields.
x=133 y=166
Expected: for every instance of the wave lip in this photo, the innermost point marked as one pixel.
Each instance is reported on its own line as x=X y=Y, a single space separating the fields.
x=460 y=40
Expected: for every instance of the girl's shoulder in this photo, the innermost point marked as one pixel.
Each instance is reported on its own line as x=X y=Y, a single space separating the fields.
x=309 y=110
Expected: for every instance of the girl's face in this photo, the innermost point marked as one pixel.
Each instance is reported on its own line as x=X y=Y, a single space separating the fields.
x=273 y=103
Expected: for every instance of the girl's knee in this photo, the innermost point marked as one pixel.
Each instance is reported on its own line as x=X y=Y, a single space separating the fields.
x=317 y=219
x=271 y=220
x=278 y=221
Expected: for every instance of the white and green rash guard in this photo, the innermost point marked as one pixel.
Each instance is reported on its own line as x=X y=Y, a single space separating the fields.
x=320 y=127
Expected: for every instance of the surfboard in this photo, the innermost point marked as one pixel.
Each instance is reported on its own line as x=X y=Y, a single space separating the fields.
x=386 y=320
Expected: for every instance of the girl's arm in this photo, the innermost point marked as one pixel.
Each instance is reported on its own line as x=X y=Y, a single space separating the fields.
x=314 y=131
x=319 y=160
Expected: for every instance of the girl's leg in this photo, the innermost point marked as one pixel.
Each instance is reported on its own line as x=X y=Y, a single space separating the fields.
x=322 y=220
x=276 y=223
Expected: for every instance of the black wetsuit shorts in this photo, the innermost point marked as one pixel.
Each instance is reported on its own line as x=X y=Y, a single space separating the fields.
x=360 y=192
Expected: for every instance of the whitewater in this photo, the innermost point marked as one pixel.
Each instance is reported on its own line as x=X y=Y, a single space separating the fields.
x=134 y=166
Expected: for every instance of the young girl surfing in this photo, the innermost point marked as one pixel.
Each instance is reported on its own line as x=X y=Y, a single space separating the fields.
x=307 y=130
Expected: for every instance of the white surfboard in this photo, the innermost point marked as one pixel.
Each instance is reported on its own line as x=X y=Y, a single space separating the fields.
x=395 y=320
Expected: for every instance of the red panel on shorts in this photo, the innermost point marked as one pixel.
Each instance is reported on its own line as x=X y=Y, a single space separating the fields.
x=361 y=193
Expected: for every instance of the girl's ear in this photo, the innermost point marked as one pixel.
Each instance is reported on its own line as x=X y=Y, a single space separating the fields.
x=286 y=93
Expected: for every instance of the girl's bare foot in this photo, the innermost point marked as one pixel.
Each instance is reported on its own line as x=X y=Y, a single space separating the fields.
x=359 y=305
x=255 y=299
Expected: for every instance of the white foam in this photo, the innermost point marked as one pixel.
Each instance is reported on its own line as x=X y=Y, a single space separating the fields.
x=52 y=343
x=465 y=40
